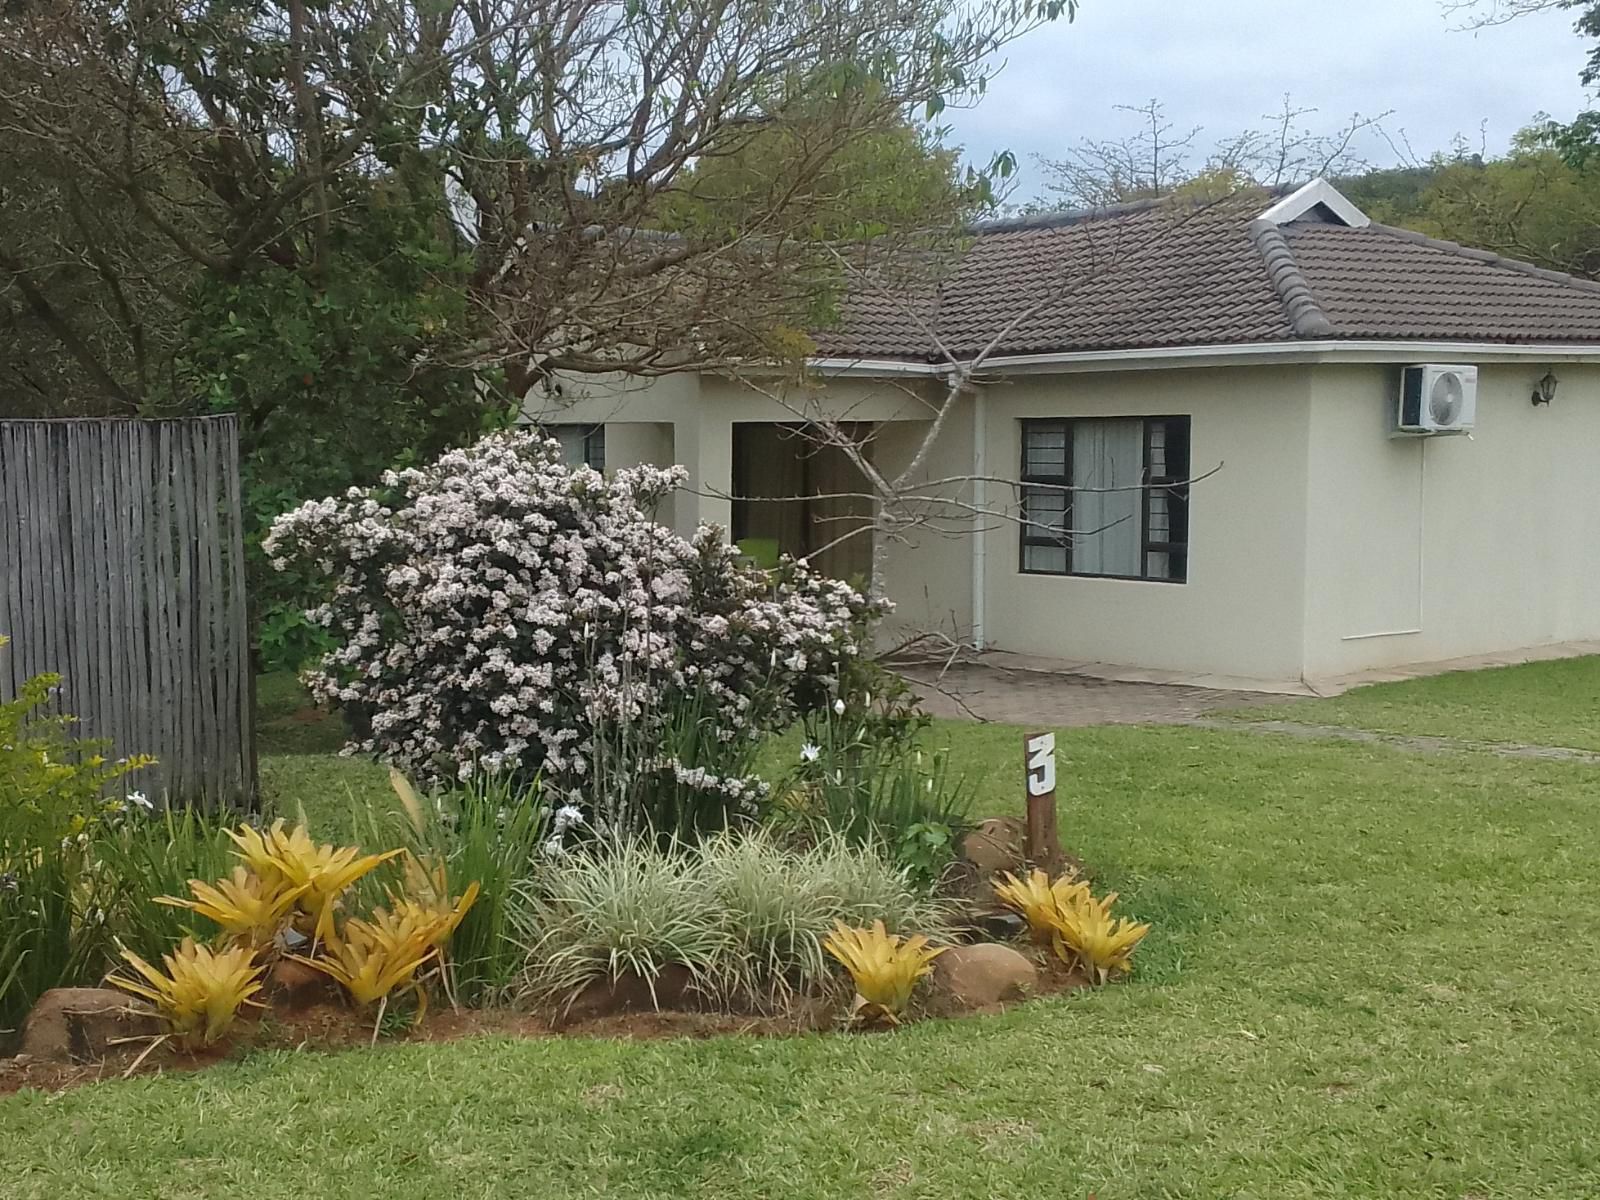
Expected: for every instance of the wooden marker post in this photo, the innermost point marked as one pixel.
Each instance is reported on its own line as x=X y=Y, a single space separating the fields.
x=1042 y=839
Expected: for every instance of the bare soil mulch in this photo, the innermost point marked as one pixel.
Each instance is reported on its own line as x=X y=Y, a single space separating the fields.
x=624 y=1012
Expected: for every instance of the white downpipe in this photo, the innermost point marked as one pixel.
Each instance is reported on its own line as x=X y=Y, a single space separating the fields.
x=980 y=496
x=1422 y=551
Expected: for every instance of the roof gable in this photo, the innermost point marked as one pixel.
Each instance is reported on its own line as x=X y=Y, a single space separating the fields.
x=1318 y=200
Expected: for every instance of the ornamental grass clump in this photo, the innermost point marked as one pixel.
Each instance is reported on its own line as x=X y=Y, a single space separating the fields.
x=625 y=909
x=884 y=968
x=486 y=836
x=744 y=913
x=778 y=902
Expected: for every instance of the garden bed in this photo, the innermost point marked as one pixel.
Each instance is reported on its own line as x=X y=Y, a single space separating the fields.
x=622 y=1012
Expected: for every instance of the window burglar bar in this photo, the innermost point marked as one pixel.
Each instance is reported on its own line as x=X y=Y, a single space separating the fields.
x=1107 y=497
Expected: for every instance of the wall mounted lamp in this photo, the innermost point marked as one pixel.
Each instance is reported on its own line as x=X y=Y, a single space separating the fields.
x=1545 y=390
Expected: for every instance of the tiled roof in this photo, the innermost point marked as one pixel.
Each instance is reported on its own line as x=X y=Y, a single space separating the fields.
x=1159 y=274
x=1392 y=283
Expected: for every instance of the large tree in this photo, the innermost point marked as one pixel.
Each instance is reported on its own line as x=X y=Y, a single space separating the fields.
x=517 y=153
x=369 y=226
x=1577 y=140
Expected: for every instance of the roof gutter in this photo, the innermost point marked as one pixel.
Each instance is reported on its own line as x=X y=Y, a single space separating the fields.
x=1300 y=351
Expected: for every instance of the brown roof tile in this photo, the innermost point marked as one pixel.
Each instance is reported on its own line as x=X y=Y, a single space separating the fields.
x=1160 y=274
x=1383 y=282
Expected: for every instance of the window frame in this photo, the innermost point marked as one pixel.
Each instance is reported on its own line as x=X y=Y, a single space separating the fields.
x=1176 y=487
x=588 y=433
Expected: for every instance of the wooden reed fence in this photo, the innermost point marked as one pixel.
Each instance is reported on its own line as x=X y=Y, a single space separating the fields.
x=122 y=569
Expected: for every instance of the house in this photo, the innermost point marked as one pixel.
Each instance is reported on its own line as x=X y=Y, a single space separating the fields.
x=1184 y=449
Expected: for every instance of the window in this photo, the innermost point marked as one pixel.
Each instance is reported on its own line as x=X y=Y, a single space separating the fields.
x=585 y=444
x=1106 y=497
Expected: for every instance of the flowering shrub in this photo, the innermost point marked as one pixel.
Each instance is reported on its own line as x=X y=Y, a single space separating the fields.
x=499 y=611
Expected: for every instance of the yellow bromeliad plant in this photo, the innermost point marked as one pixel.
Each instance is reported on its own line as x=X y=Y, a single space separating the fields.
x=426 y=898
x=1037 y=899
x=323 y=872
x=884 y=967
x=370 y=959
x=201 y=991
x=1087 y=935
x=250 y=910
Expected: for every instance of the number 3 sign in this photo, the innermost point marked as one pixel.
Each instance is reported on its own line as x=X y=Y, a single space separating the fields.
x=1040 y=749
x=1042 y=842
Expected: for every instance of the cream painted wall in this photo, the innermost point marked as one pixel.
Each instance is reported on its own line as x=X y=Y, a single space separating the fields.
x=1241 y=611
x=926 y=567
x=1450 y=546
x=1316 y=531
x=694 y=418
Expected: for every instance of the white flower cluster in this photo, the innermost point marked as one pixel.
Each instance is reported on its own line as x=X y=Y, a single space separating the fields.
x=494 y=608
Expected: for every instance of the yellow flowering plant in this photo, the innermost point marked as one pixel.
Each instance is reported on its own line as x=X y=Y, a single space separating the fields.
x=884 y=967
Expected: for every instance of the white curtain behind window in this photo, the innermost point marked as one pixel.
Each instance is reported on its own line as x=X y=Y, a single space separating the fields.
x=571 y=439
x=1106 y=454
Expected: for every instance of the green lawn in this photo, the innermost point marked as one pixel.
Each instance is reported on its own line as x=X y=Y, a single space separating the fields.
x=1372 y=975
x=1544 y=704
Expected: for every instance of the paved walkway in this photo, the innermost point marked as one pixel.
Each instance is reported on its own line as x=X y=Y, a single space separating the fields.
x=978 y=691
x=984 y=692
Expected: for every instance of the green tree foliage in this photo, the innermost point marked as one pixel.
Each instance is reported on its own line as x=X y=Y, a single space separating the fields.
x=1578 y=141
x=867 y=182
x=1534 y=204
x=51 y=805
x=865 y=186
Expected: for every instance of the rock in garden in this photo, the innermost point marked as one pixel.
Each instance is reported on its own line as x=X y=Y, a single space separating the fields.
x=995 y=845
x=85 y=1025
x=982 y=975
x=294 y=986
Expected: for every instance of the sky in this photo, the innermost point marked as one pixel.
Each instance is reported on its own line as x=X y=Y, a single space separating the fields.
x=1222 y=64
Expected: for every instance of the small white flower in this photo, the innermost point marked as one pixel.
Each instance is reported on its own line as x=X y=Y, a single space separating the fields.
x=138 y=799
x=808 y=752
x=838 y=708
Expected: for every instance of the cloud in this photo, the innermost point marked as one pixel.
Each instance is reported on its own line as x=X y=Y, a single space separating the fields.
x=1225 y=64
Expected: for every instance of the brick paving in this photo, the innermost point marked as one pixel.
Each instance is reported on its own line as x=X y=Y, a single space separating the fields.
x=977 y=691
x=1057 y=700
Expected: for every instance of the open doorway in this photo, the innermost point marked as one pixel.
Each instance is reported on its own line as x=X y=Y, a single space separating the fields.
x=797 y=497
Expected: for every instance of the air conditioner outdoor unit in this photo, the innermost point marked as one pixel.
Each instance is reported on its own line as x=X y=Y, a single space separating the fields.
x=1436 y=398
